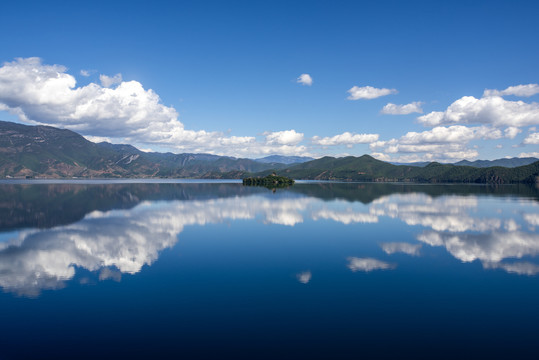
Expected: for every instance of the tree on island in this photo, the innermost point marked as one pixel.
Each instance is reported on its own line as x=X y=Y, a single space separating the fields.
x=271 y=181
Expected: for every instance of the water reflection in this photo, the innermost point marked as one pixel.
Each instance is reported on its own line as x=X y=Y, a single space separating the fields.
x=401 y=247
x=304 y=277
x=119 y=229
x=368 y=264
x=125 y=240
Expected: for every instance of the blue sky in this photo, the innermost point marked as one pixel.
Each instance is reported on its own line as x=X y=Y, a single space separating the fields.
x=224 y=76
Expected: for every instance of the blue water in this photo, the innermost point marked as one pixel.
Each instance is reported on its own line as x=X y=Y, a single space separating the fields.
x=218 y=270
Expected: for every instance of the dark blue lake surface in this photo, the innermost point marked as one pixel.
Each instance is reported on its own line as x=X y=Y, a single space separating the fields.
x=218 y=270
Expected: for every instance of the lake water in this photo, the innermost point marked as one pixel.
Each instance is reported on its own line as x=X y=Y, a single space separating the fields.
x=218 y=270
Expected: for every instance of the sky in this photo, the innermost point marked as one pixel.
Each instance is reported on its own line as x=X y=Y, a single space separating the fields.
x=403 y=81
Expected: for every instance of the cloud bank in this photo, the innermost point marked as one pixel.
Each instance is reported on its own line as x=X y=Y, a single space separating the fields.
x=122 y=111
x=493 y=110
x=345 y=138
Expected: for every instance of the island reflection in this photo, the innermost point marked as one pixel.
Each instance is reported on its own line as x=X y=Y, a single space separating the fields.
x=117 y=229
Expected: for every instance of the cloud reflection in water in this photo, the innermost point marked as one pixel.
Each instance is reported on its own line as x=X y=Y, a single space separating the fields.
x=117 y=242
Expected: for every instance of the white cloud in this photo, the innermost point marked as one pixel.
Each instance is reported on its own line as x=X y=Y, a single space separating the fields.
x=127 y=113
x=97 y=139
x=304 y=277
x=451 y=134
x=438 y=144
x=519 y=90
x=511 y=132
x=369 y=92
x=492 y=110
x=401 y=247
x=392 y=109
x=286 y=137
x=305 y=79
x=368 y=264
x=534 y=154
x=85 y=73
x=345 y=138
x=108 y=81
x=532 y=138
x=381 y=156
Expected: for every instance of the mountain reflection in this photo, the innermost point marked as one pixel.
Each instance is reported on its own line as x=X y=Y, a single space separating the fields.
x=121 y=228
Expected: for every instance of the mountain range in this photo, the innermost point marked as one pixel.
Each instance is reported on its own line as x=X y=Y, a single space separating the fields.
x=44 y=151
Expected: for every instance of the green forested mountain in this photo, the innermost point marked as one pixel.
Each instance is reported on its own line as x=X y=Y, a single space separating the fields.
x=511 y=162
x=367 y=168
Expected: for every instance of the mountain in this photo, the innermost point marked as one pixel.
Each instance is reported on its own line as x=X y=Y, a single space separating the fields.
x=55 y=153
x=284 y=159
x=510 y=163
x=46 y=151
x=367 y=168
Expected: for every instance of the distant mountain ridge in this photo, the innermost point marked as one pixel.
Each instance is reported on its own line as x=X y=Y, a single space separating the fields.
x=505 y=162
x=44 y=151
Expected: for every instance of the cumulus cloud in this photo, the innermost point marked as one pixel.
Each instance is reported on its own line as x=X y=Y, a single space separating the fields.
x=438 y=144
x=305 y=79
x=345 y=138
x=401 y=247
x=519 y=90
x=368 y=92
x=304 y=277
x=286 y=137
x=532 y=138
x=534 y=154
x=381 y=156
x=368 y=264
x=493 y=110
x=85 y=73
x=451 y=134
x=511 y=132
x=393 y=109
x=108 y=81
x=126 y=113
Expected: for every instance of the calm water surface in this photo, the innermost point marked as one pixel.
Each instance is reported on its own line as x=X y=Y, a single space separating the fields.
x=218 y=270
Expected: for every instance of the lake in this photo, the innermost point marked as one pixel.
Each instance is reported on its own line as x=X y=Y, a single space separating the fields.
x=213 y=269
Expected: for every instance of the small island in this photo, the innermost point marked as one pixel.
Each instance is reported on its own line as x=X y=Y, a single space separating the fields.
x=270 y=181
